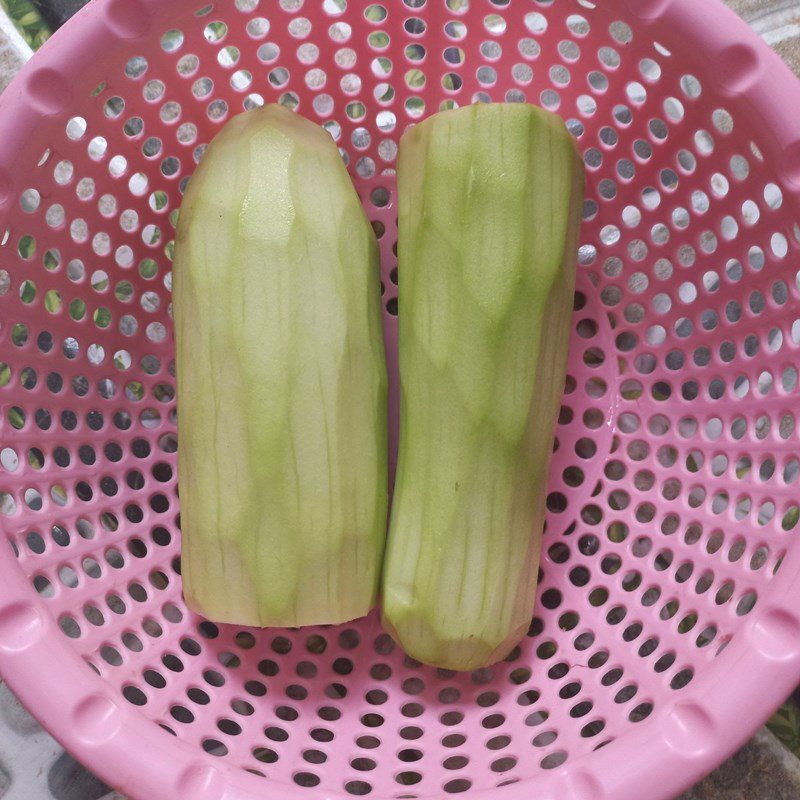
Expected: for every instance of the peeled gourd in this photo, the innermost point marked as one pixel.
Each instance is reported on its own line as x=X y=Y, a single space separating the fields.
x=490 y=201
x=282 y=386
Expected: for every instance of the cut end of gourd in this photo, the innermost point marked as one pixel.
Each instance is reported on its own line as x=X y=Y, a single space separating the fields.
x=440 y=645
x=226 y=590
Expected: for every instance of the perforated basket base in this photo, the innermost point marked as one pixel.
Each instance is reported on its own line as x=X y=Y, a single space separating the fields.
x=666 y=623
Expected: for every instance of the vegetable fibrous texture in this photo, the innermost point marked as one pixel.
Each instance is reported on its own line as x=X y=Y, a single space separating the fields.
x=282 y=380
x=490 y=200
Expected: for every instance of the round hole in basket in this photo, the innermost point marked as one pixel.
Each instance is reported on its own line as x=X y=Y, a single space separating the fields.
x=672 y=501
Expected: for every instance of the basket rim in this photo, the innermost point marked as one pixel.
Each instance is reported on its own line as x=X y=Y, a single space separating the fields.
x=668 y=753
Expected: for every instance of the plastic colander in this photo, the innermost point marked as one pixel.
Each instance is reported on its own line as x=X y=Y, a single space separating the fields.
x=668 y=618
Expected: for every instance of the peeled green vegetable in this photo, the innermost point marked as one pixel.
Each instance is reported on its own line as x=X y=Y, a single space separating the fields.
x=490 y=200
x=282 y=380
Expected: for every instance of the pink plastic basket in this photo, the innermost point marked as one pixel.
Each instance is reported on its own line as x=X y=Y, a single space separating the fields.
x=667 y=625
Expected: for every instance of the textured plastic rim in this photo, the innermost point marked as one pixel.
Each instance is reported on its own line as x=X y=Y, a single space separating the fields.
x=706 y=723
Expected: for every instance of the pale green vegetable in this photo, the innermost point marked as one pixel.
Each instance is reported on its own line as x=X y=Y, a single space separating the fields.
x=282 y=380
x=490 y=202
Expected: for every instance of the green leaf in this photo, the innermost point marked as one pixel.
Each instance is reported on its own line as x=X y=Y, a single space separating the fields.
x=785 y=725
x=148 y=268
x=19 y=334
x=52 y=301
x=28 y=20
x=77 y=310
x=379 y=39
x=791 y=517
x=102 y=317
x=28 y=293
x=124 y=291
x=375 y=13
x=52 y=260
x=27 y=247
x=415 y=78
